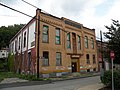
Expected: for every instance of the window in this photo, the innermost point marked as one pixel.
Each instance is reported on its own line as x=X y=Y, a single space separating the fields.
x=45 y=34
x=3 y=54
x=13 y=47
x=94 y=69
x=94 y=60
x=19 y=43
x=92 y=43
x=57 y=41
x=86 y=41
x=88 y=70
x=16 y=46
x=87 y=59
x=79 y=42
x=58 y=58
x=29 y=60
x=24 y=45
x=45 y=58
x=68 y=41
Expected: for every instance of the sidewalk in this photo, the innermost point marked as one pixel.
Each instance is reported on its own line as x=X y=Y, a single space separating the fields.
x=72 y=76
x=13 y=82
x=96 y=86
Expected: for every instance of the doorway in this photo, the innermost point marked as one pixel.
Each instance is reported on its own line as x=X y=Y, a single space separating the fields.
x=74 y=67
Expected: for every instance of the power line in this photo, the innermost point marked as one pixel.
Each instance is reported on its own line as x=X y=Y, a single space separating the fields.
x=15 y=10
x=41 y=10
x=37 y=19
x=35 y=6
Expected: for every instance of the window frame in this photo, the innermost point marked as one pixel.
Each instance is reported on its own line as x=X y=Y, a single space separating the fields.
x=92 y=43
x=19 y=43
x=86 y=42
x=44 y=58
x=87 y=58
x=79 y=42
x=68 y=41
x=45 y=35
x=58 y=59
x=94 y=59
x=57 y=37
x=24 y=43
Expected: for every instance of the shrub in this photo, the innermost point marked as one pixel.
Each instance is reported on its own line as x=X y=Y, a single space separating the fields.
x=11 y=62
x=107 y=78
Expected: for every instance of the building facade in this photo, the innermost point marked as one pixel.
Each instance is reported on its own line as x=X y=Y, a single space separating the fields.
x=61 y=46
x=103 y=53
x=4 y=53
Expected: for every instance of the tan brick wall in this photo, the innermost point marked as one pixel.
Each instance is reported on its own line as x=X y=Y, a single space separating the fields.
x=52 y=48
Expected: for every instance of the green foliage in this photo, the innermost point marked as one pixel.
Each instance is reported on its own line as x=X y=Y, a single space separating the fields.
x=3 y=64
x=107 y=78
x=113 y=36
x=32 y=77
x=7 y=75
x=11 y=62
x=6 y=33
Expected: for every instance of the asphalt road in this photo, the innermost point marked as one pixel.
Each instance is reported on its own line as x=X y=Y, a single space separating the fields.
x=58 y=85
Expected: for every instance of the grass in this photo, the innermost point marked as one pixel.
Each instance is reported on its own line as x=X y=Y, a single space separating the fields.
x=34 y=78
x=7 y=75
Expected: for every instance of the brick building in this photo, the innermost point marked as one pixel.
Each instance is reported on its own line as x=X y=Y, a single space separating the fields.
x=64 y=46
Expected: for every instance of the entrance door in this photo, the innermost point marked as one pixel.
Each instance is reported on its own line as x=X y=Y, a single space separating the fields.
x=74 y=67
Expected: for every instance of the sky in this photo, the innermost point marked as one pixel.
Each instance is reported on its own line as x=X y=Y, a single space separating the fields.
x=91 y=13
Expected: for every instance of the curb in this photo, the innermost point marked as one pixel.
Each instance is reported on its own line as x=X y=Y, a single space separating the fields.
x=75 y=78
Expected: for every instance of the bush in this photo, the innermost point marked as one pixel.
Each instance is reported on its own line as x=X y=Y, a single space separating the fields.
x=11 y=62
x=107 y=78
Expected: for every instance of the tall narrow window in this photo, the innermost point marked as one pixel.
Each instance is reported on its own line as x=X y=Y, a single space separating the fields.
x=86 y=41
x=57 y=41
x=58 y=59
x=15 y=45
x=92 y=43
x=24 y=39
x=45 y=34
x=68 y=41
x=29 y=60
x=94 y=60
x=19 y=43
x=79 y=42
x=87 y=59
x=45 y=58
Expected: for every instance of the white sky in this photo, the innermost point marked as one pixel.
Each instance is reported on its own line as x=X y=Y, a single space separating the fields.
x=91 y=13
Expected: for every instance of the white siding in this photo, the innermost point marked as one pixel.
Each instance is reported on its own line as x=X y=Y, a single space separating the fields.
x=31 y=36
x=19 y=42
x=24 y=48
x=3 y=53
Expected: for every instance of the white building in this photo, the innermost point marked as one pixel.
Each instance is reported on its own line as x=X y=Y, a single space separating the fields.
x=4 y=53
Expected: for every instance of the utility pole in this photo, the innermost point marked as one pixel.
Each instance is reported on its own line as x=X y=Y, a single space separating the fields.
x=102 y=69
x=38 y=38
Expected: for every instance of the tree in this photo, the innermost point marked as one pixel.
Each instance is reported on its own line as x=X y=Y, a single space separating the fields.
x=6 y=33
x=113 y=36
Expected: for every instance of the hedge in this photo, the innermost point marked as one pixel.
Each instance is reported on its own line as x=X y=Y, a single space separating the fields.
x=107 y=78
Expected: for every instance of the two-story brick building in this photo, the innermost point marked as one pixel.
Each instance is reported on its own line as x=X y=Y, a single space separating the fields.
x=64 y=46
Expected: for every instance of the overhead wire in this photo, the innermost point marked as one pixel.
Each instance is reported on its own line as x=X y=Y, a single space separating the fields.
x=41 y=9
x=38 y=19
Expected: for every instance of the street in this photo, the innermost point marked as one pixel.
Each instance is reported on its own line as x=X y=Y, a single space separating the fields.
x=60 y=85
